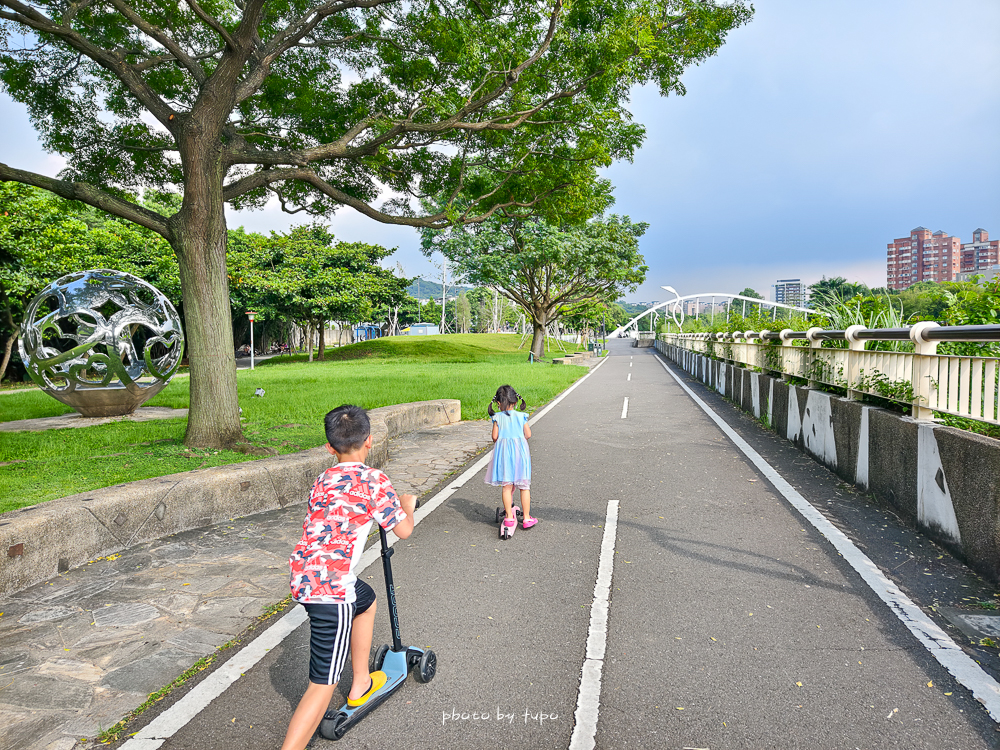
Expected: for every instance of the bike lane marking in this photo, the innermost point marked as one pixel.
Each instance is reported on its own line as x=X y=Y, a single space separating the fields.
x=588 y=703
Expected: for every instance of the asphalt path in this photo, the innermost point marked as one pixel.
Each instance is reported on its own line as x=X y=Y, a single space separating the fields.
x=733 y=624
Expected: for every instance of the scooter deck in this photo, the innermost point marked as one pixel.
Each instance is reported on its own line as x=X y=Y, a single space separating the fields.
x=396 y=669
x=506 y=532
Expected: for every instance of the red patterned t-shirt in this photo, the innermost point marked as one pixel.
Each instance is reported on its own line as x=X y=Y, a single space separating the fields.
x=342 y=505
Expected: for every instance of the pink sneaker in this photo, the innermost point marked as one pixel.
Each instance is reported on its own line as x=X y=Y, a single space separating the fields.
x=529 y=523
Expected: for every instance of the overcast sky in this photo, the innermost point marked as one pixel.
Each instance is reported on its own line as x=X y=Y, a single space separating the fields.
x=819 y=133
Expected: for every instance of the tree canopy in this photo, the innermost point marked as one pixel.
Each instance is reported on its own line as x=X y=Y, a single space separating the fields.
x=504 y=107
x=546 y=270
x=306 y=277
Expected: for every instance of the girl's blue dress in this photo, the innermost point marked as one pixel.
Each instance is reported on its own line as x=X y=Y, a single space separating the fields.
x=511 y=462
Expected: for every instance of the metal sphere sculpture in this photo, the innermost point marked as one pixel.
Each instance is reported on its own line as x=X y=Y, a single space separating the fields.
x=101 y=341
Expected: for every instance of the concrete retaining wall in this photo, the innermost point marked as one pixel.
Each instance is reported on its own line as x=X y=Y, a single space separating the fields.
x=40 y=541
x=944 y=481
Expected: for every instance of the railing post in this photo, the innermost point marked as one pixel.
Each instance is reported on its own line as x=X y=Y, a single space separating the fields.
x=854 y=344
x=786 y=363
x=750 y=358
x=814 y=343
x=924 y=388
x=762 y=352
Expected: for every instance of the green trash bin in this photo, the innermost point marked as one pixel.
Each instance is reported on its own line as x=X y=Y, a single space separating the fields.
x=590 y=346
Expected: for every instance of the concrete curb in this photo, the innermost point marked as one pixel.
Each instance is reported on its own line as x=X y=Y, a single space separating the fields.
x=41 y=541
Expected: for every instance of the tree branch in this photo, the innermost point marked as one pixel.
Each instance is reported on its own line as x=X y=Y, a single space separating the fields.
x=92 y=196
x=213 y=23
x=290 y=36
x=27 y=16
x=162 y=38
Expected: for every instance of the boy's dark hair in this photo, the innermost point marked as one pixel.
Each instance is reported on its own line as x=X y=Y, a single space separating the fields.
x=505 y=398
x=347 y=428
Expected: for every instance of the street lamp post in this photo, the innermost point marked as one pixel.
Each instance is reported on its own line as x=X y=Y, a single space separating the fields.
x=251 y=314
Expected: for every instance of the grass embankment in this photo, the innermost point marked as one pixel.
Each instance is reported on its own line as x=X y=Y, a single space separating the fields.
x=56 y=463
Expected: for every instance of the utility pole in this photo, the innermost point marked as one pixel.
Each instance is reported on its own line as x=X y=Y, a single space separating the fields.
x=444 y=287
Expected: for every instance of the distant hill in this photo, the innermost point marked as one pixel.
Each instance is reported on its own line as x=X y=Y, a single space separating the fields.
x=424 y=289
x=633 y=308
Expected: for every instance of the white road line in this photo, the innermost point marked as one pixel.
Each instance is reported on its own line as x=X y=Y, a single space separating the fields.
x=962 y=667
x=588 y=702
x=625 y=408
x=629 y=376
x=629 y=364
x=164 y=726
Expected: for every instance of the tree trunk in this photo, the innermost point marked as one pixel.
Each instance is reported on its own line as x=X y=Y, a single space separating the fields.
x=214 y=419
x=199 y=240
x=322 y=340
x=7 y=349
x=538 y=339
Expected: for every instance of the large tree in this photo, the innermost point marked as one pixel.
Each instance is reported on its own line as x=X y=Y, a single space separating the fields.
x=548 y=271
x=326 y=103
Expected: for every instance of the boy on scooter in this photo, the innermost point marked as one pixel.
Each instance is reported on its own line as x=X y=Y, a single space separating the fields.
x=343 y=504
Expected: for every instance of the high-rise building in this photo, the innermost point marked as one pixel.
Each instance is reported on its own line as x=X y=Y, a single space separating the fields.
x=980 y=254
x=923 y=256
x=790 y=292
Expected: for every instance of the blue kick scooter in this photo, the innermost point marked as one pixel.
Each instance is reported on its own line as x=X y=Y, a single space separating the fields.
x=396 y=662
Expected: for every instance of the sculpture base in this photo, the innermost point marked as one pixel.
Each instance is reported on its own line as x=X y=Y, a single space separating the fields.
x=107 y=402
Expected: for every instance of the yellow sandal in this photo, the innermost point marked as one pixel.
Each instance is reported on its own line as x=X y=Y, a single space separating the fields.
x=378 y=682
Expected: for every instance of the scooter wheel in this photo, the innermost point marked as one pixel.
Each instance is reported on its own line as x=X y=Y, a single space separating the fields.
x=333 y=727
x=379 y=659
x=427 y=667
x=500 y=514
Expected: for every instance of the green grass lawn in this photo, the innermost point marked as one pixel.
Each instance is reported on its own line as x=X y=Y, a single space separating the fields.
x=470 y=367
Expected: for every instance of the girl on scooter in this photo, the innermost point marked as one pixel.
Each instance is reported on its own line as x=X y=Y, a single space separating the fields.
x=510 y=465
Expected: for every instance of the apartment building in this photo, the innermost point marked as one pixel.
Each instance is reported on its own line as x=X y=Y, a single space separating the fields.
x=981 y=254
x=923 y=256
x=790 y=292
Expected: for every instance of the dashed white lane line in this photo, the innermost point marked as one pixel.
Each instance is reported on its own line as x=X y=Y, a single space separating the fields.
x=629 y=376
x=948 y=653
x=625 y=408
x=171 y=721
x=588 y=702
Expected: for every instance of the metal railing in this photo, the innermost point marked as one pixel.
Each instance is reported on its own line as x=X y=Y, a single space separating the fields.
x=966 y=386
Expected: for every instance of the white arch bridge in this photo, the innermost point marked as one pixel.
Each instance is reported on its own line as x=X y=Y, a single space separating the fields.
x=675 y=308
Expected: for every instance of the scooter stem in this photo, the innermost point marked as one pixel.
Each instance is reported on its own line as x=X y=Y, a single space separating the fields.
x=390 y=588
x=390 y=592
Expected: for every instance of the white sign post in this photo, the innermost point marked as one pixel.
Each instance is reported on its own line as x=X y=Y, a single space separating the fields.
x=251 y=314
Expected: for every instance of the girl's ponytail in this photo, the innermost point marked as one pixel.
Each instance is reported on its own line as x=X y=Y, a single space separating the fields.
x=523 y=406
x=506 y=397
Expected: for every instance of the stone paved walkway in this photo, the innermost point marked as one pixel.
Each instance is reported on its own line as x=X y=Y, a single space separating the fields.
x=79 y=652
x=74 y=419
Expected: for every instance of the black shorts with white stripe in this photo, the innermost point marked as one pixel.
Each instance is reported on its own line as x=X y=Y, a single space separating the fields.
x=330 y=634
